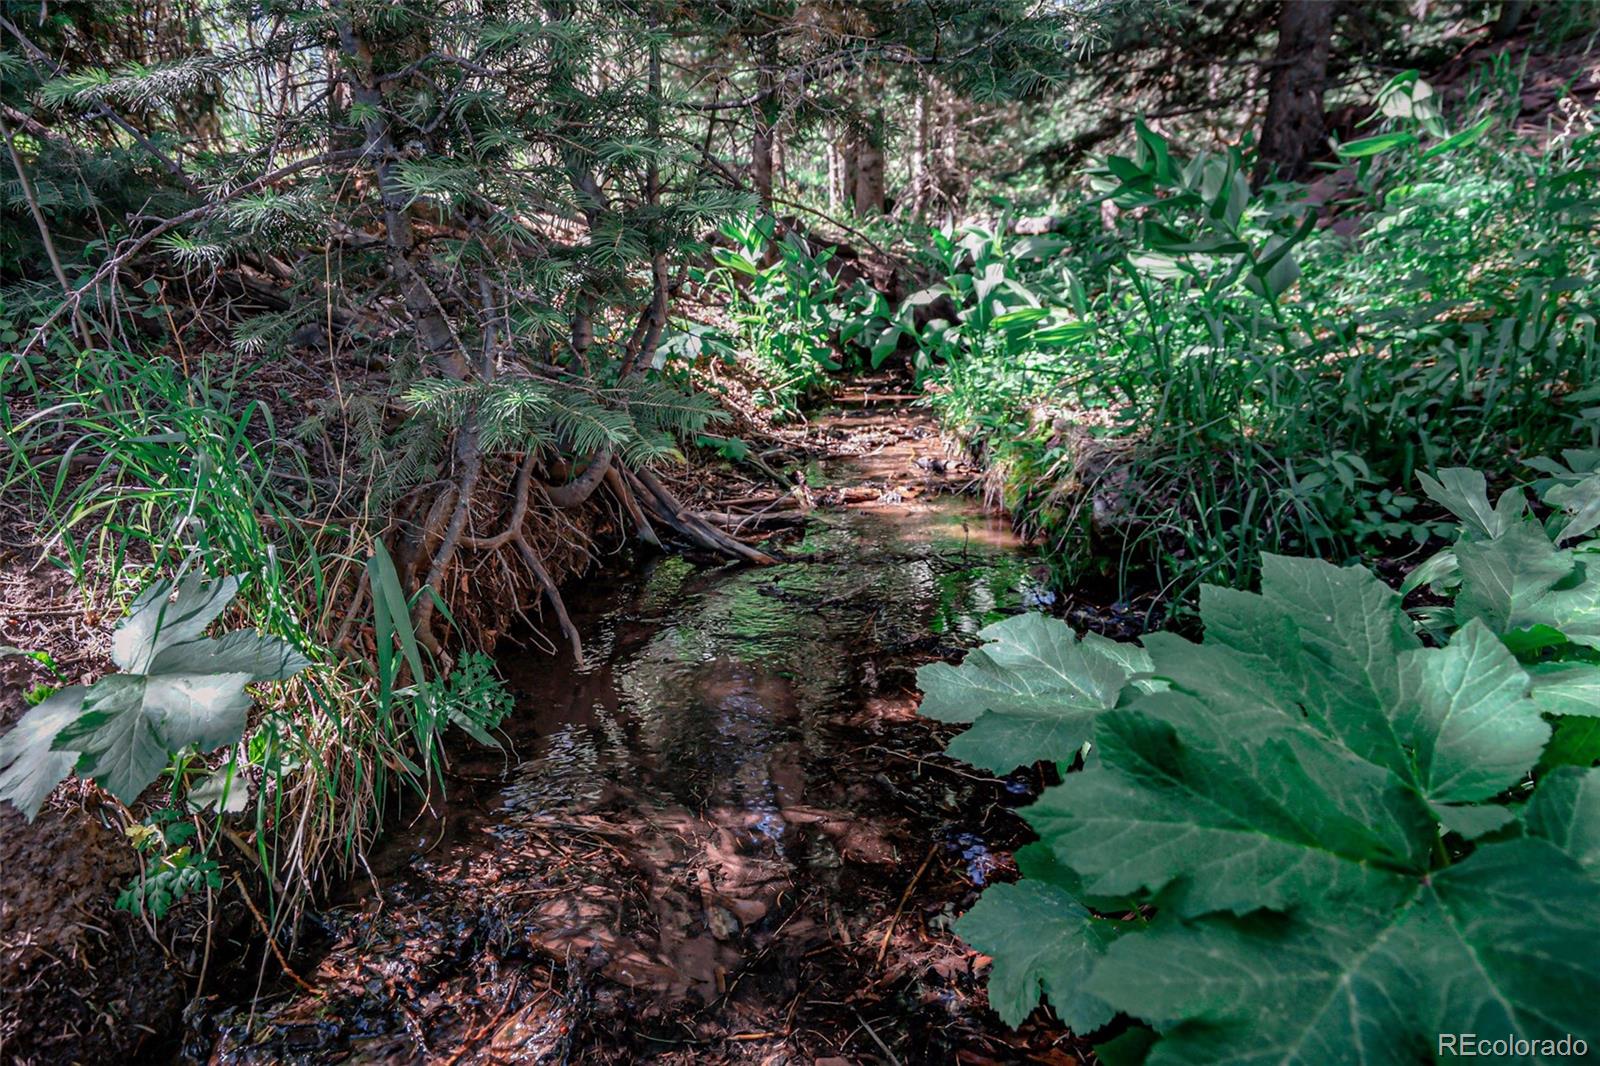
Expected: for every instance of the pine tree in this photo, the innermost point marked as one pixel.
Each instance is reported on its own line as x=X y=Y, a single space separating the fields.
x=494 y=200
x=506 y=189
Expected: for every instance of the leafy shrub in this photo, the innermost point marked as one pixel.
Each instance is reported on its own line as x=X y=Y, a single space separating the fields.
x=471 y=697
x=1244 y=379
x=1311 y=832
x=786 y=315
x=178 y=688
x=1002 y=317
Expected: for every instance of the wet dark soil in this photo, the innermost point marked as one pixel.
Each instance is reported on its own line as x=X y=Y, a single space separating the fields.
x=724 y=837
x=73 y=969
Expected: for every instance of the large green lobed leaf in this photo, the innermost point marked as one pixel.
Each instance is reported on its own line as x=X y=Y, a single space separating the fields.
x=178 y=689
x=1032 y=691
x=1342 y=834
x=29 y=767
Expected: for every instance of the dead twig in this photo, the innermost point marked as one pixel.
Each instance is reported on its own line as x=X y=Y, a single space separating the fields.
x=272 y=941
x=905 y=897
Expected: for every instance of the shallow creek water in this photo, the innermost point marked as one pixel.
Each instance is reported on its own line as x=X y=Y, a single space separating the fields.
x=725 y=836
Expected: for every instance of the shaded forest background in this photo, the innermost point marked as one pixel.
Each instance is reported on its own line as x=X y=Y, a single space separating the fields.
x=405 y=314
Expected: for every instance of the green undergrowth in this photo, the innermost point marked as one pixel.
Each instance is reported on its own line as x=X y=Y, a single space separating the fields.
x=792 y=319
x=1187 y=371
x=1330 y=831
x=136 y=468
x=1254 y=373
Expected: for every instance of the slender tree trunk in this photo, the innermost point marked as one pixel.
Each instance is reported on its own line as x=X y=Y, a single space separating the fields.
x=835 y=173
x=766 y=112
x=835 y=156
x=1293 y=131
x=761 y=164
x=916 y=188
x=869 y=194
x=433 y=328
x=949 y=155
x=780 y=160
x=848 y=167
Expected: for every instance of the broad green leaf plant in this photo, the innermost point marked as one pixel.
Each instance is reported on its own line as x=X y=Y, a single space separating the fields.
x=1328 y=832
x=177 y=689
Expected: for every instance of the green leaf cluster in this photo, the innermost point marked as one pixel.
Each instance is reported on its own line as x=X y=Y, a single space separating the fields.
x=171 y=867
x=177 y=688
x=1312 y=837
x=1198 y=224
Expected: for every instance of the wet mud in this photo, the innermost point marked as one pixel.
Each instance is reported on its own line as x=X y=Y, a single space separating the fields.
x=724 y=837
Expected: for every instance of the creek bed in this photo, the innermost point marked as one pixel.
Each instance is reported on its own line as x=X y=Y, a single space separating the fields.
x=726 y=836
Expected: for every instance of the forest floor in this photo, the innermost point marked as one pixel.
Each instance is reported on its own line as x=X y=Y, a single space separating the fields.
x=725 y=837
x=70 y=964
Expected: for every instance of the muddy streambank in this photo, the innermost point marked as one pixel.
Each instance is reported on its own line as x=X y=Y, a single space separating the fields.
x=726 y=837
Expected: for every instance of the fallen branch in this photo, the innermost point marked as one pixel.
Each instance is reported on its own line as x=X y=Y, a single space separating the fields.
x=755 y=520
x=905 y=897
x=690 y=526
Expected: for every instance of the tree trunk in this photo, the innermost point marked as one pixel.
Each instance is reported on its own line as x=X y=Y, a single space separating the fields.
x=849 y=160
x=835 y=171
x=869 y=191
x=761 y=163
x=949 y=155
x=766 y=112
x=917 y=187
x=1292 y=132
x=1511 y=12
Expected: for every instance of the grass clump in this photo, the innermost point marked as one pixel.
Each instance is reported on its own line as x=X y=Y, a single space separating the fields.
x=136 y=466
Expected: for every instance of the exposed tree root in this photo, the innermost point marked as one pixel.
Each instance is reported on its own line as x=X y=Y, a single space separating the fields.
x=542 y=530
x=581 y=487
x=630 y=503
x=470 y=464
x=688 y=524
x=531 y=557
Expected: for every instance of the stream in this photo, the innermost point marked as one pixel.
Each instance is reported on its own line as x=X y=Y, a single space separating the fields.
x=725 y=837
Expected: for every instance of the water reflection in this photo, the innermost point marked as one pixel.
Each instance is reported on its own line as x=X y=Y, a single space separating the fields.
x=705 y=687
x=721 y=806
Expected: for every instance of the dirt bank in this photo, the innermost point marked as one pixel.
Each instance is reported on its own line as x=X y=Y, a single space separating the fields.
x=74 y=970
